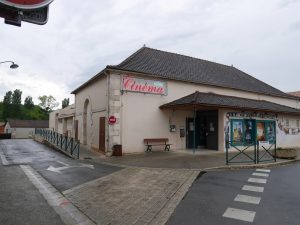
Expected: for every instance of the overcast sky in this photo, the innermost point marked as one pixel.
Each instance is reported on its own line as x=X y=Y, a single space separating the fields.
x=260 y=37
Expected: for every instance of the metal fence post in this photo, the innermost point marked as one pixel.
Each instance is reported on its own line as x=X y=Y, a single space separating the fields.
x=227 y=146
x=275 y=151
x=257 y=150
x=61 y=140
x=66 y=143
x=72 y=146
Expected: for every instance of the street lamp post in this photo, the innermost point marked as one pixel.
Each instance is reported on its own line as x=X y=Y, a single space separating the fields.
x=12 y=66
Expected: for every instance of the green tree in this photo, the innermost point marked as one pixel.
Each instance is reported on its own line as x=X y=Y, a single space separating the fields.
x=65 y=102
x=16 y=104
x=7 y=100
x=48 y=103
x=16 y=97
x=28 y=103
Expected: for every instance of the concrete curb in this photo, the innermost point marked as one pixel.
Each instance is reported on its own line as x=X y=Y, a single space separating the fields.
x=69 y=214
x=252 y=166
x=217 y=168
x=165 y=213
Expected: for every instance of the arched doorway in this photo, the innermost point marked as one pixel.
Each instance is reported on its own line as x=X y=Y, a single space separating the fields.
x=85 y=112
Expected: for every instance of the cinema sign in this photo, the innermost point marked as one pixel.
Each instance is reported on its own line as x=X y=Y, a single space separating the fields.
x=134 y=84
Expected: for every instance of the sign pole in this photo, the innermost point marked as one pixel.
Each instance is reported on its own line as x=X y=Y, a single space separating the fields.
x=194 y=134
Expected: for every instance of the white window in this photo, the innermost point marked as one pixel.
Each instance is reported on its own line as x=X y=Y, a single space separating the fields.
x=298 y=123
x=287 y=123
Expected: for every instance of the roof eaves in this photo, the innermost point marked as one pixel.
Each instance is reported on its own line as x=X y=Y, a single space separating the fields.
x=115 y=68
x=89 y=81
x=196 y=95
x=128 y=58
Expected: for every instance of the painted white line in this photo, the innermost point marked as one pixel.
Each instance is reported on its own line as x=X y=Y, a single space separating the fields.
x=263 y=170
x=257 y=180
x=3 y=159
x=64 y=208
x=239 y=214
x=247 y=199
x=252 y=188
x=260 y=174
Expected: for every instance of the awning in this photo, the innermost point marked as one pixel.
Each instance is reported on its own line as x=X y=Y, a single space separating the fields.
x=211 y=100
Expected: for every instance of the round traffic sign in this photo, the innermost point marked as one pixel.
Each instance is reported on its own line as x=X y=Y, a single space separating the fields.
x=26 y=4
x=112 y=120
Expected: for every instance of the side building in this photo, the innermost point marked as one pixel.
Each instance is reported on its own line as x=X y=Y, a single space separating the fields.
x=194 y=103
x=62 y=121
x=24 y=128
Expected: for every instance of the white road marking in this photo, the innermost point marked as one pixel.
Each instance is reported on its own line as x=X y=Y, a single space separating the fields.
x=257 y=180
x=260 y=174
x=3 y=159
x=253 y=188
x=239 y=214
x=64 y=208
x=263 y=170
x=67 y=166
x=247 y=199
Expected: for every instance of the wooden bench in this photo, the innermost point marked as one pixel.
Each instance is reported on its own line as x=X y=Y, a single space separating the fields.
x=149 y=142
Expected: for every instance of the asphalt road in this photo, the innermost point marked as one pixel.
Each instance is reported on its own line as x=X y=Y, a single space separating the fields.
x=218 y=198
x=61 y=171
x=20 y=201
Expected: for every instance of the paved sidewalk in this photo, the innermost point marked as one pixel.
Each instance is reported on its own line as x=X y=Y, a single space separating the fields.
x=177 y=160
x=148 y=188
x=132 y=196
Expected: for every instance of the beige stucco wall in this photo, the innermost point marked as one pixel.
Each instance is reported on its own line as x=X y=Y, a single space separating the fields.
x=52 y=120
x=287 y=135
x=96 y=95
x=141 y=117
x=138 y=115
x=22 y=132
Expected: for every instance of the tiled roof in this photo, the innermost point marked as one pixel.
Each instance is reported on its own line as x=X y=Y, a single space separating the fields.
x=66 y=112
x=214 y=100
x=295 y=93
x=28 y=123
x=184 y=68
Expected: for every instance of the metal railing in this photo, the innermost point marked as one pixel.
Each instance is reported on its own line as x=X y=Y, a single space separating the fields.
x=241 y=155
x=250 y=152
x=67 y=144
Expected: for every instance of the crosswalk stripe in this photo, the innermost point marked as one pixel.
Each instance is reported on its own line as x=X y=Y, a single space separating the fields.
x=260 y=174
x=257 y=180
x=263 y=170
x=247 y=199
x=253 y=188
x=239 y=214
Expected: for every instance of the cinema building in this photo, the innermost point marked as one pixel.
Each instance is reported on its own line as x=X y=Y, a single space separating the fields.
x=192 y=102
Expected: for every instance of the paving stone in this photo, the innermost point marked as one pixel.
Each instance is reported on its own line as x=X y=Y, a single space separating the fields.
x=129 y=196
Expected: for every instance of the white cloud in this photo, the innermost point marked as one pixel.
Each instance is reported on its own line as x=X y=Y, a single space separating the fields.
x=80 y=39
x=32 y=85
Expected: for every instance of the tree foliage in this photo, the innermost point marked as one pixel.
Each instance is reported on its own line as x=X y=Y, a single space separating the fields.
x=16 y=97
x=11 y=107
x=65 y=102
x=7 y=98
x=48 y=103
x=28 y=102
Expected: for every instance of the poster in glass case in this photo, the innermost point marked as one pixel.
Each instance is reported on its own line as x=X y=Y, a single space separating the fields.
x=237 y=128
x=271 y=132
x=260 y=127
